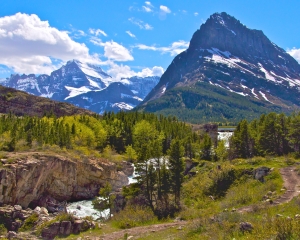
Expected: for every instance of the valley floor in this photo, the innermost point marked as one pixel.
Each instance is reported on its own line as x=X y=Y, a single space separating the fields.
x=174 y=230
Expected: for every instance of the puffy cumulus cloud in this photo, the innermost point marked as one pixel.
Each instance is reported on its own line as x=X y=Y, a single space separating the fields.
x=196 y=14
x=140 y=23
x=174 y=49
x=27 y=45
x=97 y=32
x=148 y=3
x=113 y=50
x=155 y=71
x=130 y=34
x=123 y=71
x=164 y=9
x=295 y=53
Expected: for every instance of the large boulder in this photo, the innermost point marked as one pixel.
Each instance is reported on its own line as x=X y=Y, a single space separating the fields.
x=127 y=168
x=260 y=173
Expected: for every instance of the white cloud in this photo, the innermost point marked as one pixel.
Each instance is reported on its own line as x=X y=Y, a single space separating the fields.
x=174 y=49
x=147 y=9
x=295 y=53
x=81 y=33
x=196 y=14
x=113 y=51
x=96 y=32
x=123 y=71
x=27 y=45
x=140 y=23
x=130 y=34
x=164 y=9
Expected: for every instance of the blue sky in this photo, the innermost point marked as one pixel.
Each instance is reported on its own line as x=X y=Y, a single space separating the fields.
x=125 y=37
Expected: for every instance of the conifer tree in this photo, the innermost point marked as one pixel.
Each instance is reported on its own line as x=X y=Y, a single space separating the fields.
x=176 y=168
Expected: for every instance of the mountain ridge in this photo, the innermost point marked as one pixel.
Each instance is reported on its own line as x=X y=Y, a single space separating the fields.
x=86 y=86
x=226 y=54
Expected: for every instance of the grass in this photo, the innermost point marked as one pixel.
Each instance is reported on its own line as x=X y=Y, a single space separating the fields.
x=133 y=216
x=29 y=223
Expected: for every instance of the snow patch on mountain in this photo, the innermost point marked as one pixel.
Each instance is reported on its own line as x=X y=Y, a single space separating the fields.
x=254 y=94
x=76 y=91
x=123 y=106
x=267 y=74
x=264 y=96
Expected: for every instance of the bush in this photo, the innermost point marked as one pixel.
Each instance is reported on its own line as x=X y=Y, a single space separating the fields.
x=133 y=216
x=29 y=223
x=3 y=229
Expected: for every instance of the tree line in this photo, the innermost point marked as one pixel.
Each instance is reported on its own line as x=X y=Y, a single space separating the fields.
x=271 y=134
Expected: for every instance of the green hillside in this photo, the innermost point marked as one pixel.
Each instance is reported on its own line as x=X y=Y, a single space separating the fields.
x=202 y=103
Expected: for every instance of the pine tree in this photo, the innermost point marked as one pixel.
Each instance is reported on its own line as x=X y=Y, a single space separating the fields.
x=176 y=168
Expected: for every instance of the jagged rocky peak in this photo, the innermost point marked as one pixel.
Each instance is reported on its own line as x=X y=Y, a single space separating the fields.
x=226 y=33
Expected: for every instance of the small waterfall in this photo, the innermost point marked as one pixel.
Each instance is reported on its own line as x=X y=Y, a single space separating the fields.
x=131 y=179
x=85 y=208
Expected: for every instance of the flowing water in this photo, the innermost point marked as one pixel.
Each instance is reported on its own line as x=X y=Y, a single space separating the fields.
x=225 y=136
x=85 y=208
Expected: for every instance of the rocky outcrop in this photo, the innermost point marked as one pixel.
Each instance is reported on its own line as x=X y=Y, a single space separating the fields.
x=65 y=228
x=13 y=216
x=127 y=168
x=260 y=173
x=14 y=219
x=34 y=175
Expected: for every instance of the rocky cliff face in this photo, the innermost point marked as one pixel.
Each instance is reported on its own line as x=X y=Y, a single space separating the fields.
x=33 y=175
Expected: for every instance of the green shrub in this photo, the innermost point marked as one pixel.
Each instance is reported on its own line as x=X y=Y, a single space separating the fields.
x=133 y=216
x=29 y=223
x=3 y=229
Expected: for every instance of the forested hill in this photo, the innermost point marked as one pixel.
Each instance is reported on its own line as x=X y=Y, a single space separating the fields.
x=21 y=103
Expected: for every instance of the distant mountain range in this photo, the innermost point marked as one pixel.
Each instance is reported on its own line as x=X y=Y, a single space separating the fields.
x=229 y=72
x=86 y=86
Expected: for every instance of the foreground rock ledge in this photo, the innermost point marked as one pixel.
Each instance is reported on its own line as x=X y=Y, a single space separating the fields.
x=33 y=175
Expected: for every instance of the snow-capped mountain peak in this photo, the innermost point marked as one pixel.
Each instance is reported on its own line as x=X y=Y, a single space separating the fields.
x=85 y=85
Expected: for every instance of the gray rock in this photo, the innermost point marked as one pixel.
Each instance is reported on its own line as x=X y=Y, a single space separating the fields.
x=11 y=235
x=260 y=173
x=246 y=227
x=51 y=231
x=65 y=228
x=44 y=211
x=17 y=207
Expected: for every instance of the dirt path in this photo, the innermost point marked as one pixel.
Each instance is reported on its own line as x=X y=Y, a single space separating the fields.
x=291 y=183
x=132 y=233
